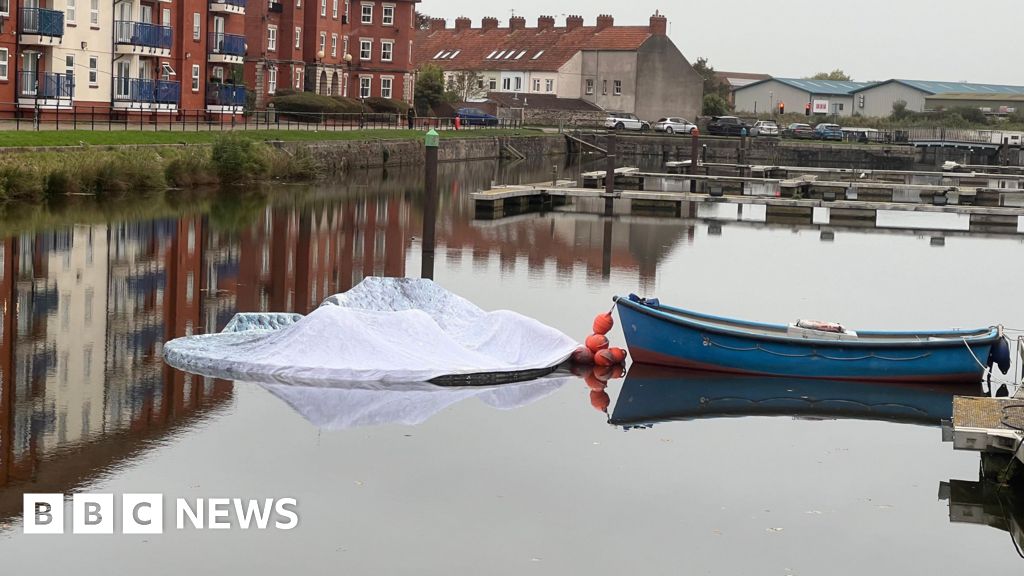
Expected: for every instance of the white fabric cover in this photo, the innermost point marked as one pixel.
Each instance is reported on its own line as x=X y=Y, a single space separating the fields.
x=383 y=330
x=376 y=404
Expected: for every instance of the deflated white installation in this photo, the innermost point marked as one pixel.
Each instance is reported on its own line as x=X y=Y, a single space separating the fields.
x=384 y=330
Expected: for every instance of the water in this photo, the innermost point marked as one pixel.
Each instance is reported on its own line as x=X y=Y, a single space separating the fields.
x=480 y=485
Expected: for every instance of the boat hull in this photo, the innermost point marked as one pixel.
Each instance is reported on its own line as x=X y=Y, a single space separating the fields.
x=654 y=337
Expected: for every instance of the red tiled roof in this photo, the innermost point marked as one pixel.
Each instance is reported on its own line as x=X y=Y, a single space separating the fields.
x=542 y=102
x=555 y=45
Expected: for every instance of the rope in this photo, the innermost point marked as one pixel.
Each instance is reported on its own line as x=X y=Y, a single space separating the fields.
x=1002 y=419
x=987 y=369
x=814 y=353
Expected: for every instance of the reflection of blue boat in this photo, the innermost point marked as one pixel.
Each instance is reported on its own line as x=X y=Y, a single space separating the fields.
x=659 y=334
x=654 y=394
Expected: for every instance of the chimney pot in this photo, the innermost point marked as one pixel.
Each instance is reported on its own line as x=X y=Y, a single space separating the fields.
x=605 y=21
x=437 y=24
x=489 y=23
x=517 y=23
x=573 y=22
x=659 y=25
x=463 y=23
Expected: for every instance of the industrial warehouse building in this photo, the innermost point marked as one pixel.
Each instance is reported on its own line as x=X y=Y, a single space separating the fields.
x=829 y=96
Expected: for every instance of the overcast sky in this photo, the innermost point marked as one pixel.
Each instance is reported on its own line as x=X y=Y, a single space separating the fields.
x=975 y=41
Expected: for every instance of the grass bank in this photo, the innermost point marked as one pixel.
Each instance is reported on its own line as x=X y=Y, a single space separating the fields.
x=52 y=138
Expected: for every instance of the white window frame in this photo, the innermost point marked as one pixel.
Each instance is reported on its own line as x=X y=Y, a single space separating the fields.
x=197 y=26
x=94 y=12
x=94 y=71
x=334 y=9
x=519 y=83
x=365 y=86
x=271 y=38
x=70 y=11
x=549 y=85
x=323 y=7
x=390 y=83
x=272 y=80
x=492 y=84
x=589 y=90
x=4 y=67
x=366 y=48
x=617 y=88
x=536 y=84
x=298 y=78
x=298 y=36
x=334 y=45
x=387 y=50
x=323 y=42
x=195 y=77
x=387 y=15
x=366 y=17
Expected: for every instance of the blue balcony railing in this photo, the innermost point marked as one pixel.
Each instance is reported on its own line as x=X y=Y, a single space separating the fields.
x=142 y=34
x=143 y=90
x=238 y=3
x=225 y=95
x=41 y=21
x=47 y=85
x=228 y=44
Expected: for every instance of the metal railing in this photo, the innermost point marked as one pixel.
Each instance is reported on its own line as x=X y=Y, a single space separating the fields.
x=238 y=3
x=143 y=90
x=142 y=34
x=230 y=44
x=46 y=85
x=41 y=21
x=225 y=95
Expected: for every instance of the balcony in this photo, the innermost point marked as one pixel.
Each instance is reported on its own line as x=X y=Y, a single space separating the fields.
x=228 y=6
x=40 y=27
x=46 y=90
x=226 y=48
x=145 y=94
x=228 y=98
x=142 y=38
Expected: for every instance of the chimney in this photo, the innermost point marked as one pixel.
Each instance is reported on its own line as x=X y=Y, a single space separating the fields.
x=517 y=23
x=489 y=23
x=573 y=22
x=659 y=25
x=437 y=24
x=463 y=23
x=546 y=22
x=604 y=21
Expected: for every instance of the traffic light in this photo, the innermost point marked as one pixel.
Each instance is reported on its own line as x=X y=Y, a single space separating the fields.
x=807 y=109
x=782 y=108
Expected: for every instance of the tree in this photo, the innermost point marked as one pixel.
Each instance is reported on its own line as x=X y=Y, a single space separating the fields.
x=899 y=110
x=715 y=105
x=429 y=88
x=422 y=21
x=712 y=83
x=465 y=86
x=836 y=74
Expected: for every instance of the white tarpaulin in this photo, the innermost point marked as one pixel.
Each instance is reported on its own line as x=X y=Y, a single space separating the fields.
x=383 y=330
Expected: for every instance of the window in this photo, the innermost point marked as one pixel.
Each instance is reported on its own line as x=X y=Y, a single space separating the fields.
x=3 y=63
x=272 y=38
x=323 y=42
x=604 y=87
x=537 y=55
x=334 y=10
x=298 y=37
x=298 y=3
x=590 y=86
x=344 y=85
x=344 y=45
x=323 y=7
x=387 y=50
x=385 y=87
x=334 y=45
x=94 y=64
x=492 y=84
x=367 y=14
x=195 y=77
x=840 y=107
x=365 y=49
x=506 y=84
x=549 y=85
x=94 y=12
x=536 y=84
x=197 y=31
x=70 y=10
x=298 y=78
x=364 y=86
x=271 y=80
x=617 y=88
x=388 y=15
x=519 y=83
x=218 y=73
x=69 y=71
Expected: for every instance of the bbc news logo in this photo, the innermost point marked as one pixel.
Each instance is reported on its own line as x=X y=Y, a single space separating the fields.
x=144 y=514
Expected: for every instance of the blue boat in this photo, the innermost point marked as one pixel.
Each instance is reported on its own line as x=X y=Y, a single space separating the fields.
x=660 y=334
x=654 y=394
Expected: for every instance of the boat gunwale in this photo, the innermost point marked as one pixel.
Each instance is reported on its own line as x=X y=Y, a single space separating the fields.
x=894 y=339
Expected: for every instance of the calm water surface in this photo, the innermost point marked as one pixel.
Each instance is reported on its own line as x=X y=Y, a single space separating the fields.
x=722 y=476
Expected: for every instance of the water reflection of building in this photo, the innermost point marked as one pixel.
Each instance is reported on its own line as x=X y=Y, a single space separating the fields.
x=986 y=503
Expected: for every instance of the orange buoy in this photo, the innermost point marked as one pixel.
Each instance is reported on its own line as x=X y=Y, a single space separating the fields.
x=600 y=400
x=603 y=323
x=619 y=354
x=604 y=358
x=583 y=356
x=602 y=373
x=618 y=371
x=597 y=342
x=594 y=383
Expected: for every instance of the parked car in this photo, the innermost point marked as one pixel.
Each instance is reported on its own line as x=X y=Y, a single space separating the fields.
x=476 y=117
x=727 y=126
x=798 y=130
x=625 y=121
x=674 y=125
x=764 y=128
x=826 y=131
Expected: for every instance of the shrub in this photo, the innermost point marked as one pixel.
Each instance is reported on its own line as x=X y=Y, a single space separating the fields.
x=58 y=183
x=124 y=171
x=19 y=183
x=190 y=168
x=292 y=165
x=237 y=159
x=386 y=105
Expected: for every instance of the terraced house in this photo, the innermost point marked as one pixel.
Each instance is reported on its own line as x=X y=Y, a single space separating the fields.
x=178 y=58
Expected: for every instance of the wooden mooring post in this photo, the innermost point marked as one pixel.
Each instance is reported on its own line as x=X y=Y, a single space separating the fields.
x=430 y=207
x=609 y=176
